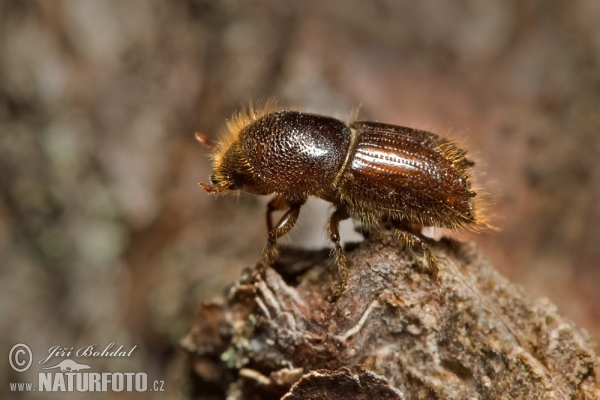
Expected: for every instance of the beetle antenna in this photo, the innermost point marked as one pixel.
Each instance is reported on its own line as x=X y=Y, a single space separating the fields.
x=210 y=189
x=206 y=142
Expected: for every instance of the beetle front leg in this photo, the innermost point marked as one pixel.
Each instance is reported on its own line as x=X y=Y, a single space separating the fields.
x=277 y=203
x=337 y=252
x=284 y=225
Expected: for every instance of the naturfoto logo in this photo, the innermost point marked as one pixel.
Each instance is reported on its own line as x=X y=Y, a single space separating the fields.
x=69 y=366
x=67 y=376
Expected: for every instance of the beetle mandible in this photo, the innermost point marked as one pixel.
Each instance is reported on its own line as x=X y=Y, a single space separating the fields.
x=372 y=172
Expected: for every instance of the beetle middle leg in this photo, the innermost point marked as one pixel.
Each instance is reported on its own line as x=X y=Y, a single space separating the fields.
x=337 y=252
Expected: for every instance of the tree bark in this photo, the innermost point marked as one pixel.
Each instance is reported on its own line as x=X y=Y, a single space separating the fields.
x=394 y=333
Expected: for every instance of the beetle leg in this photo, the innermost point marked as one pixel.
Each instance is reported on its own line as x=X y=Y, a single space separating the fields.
x=277 y=203
x=337 y=252
x=412 y=241
x=284 y=225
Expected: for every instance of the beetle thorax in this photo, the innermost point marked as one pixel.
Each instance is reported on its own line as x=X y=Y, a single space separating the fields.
x=293 y=154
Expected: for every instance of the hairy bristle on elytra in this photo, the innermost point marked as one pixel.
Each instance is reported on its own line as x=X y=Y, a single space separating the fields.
x=458 y=156
x=483 y=216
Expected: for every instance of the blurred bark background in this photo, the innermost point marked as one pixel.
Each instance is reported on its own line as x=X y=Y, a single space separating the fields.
x=105 y=235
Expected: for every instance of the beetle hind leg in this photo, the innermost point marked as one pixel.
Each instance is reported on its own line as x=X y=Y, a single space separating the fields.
x=412 y=241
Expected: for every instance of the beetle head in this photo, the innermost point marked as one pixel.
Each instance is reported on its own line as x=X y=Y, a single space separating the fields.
x=231 y=171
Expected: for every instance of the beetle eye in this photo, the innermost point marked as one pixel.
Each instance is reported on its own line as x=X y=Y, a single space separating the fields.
x=213 y=180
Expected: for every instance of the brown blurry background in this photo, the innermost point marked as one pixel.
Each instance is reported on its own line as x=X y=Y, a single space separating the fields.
x=105 y=235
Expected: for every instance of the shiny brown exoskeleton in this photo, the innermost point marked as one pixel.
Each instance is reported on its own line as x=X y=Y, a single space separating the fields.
x=369 y=171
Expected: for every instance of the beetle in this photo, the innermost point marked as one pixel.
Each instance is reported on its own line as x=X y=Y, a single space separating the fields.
x=372 y=172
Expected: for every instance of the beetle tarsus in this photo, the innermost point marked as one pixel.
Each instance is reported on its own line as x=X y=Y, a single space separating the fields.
x=270 y=253
x=259 y=270
x=433 y=269
x=338 y=287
